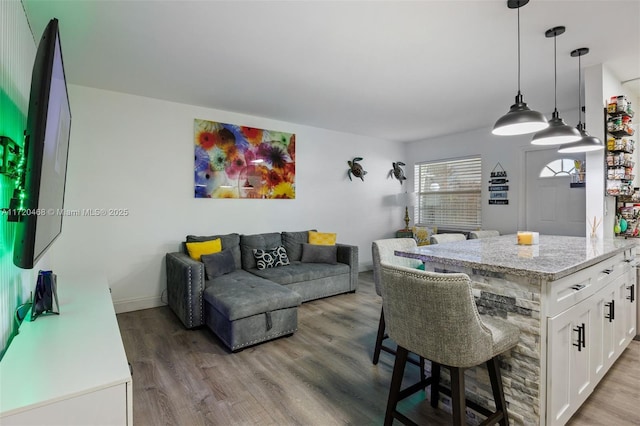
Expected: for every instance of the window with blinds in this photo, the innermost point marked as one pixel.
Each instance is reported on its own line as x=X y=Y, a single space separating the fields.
x=449 y=193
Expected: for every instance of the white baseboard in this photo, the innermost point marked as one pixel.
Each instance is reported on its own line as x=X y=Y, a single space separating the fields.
x=138 y=304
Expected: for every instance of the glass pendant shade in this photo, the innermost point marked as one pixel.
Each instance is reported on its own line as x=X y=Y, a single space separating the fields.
x=587 y=143
x=520 y=120
x=557 y=133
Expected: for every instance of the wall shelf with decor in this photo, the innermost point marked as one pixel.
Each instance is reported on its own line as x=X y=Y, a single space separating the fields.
x=620 y=147
x=498 y=188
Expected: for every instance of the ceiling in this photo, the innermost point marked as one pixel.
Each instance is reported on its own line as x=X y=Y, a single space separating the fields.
x=395 y=70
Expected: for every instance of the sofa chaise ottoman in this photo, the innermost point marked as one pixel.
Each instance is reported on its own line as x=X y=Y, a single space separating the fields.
x=247 y=305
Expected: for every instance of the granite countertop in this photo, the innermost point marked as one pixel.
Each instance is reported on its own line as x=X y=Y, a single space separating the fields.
x=552 y=259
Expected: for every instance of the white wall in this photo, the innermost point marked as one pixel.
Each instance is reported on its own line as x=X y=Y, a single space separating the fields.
x=509 y=151
x=137 y=153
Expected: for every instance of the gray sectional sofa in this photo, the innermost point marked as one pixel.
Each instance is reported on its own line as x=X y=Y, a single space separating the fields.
x=247 y=305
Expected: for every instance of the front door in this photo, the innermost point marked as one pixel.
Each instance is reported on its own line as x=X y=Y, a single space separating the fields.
x=552 y=206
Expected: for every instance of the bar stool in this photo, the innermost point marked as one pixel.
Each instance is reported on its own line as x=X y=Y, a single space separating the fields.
x=474 y=235
x=384 y=251
x=435 y=316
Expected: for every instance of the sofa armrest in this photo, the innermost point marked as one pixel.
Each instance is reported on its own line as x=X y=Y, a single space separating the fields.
x=349 y=254
x=185 y=284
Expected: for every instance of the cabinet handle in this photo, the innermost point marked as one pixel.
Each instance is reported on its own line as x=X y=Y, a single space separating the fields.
x=581 y=337
x=612 y=310
x=579 y=330
x=632 y=293
x=578 y=287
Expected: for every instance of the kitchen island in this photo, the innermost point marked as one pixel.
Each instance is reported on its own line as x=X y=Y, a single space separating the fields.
x=572 y=298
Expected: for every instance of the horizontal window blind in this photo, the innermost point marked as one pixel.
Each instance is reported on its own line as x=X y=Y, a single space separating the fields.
x=450 y=193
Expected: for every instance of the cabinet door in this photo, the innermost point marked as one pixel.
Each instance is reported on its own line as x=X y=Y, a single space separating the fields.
x=626 y=309
x=604 y=348
x=569 y=377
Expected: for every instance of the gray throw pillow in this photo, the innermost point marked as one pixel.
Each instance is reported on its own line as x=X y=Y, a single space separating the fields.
x=271 y=258
x=312 y=253
x=218 y=264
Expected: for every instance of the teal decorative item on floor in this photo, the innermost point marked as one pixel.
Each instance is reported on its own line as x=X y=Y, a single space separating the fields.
x=356 y=169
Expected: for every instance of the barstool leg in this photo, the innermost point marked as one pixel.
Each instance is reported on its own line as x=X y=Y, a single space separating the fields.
x=435 y=384
x=498 y=391
x=379 y=338
x=396 y=382
x=458 y=402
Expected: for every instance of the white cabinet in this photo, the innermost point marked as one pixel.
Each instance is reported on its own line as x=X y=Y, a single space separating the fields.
x=68 y=369
x=590 y=322
x=571 y=336
x=626 y=304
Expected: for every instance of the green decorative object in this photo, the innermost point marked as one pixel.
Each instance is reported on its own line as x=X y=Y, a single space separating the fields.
x=623 y=225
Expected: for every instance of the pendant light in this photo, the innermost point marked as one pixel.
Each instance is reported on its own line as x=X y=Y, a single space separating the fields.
x=558 y=131
x=587 y=142
x=520 y=119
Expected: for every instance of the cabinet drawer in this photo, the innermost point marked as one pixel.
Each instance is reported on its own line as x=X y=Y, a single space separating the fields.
x=576 y=287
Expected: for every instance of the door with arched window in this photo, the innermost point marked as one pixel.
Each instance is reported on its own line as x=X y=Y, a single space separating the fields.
x=552 y=206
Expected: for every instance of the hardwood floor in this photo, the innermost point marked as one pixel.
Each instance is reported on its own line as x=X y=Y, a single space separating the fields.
x=322 y=375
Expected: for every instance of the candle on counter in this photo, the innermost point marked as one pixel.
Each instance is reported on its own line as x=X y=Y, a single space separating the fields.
x=527 y=238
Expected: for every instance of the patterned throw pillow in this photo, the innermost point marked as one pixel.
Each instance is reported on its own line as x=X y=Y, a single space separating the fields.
x=271 y=258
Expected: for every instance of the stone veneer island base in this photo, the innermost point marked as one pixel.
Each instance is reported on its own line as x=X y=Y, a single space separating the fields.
x=574 y=302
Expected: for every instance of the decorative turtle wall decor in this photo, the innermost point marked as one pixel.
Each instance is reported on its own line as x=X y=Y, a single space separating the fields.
x=397 y=171
x=356 y=169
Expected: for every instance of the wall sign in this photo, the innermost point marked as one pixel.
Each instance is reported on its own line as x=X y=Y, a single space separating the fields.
x=498 y=186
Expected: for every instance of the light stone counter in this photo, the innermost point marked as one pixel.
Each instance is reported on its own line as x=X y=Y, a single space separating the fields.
x=552 y=259
x=523 y=284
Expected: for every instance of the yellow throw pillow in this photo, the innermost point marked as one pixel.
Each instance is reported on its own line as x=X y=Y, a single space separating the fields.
x=196 y=250
x=322 y=238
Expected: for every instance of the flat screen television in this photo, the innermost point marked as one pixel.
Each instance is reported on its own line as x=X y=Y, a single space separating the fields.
x=46 y=145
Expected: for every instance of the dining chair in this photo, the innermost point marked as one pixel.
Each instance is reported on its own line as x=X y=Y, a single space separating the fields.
x=474 y=235
x=447 y=238
x=435 y=316
x=384 y=251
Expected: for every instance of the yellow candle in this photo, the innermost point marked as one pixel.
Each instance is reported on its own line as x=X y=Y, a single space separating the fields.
x=525 y=238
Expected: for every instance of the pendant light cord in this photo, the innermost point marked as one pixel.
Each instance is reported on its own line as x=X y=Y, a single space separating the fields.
x=518 y=50
x=579 y=89
x=555 y=74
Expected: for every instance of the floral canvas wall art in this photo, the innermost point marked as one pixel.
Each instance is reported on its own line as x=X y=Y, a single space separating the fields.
x=233 y=161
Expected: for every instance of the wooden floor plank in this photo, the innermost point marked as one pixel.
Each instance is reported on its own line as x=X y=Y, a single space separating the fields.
x=322 y=375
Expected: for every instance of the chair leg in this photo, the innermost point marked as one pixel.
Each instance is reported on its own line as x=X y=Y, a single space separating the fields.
x=458 y=402
x=498 y=391
x=435 y=384
x=396 y=382
x=379 y=338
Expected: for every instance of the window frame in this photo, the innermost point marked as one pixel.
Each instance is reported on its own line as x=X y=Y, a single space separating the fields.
x=450 y=218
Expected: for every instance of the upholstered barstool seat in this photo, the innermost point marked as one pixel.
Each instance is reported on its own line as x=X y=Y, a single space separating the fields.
x=435 y=316
x=447 y=238
x=474 y=235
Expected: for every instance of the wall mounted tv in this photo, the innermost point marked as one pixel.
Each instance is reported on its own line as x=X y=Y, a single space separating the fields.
x=46 y=145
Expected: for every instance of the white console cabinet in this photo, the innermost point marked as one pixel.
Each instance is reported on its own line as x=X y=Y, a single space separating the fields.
x=590 y=322
x=68 y=369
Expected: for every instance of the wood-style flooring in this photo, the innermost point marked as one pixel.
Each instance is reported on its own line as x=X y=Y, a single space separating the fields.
x=322 y=375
